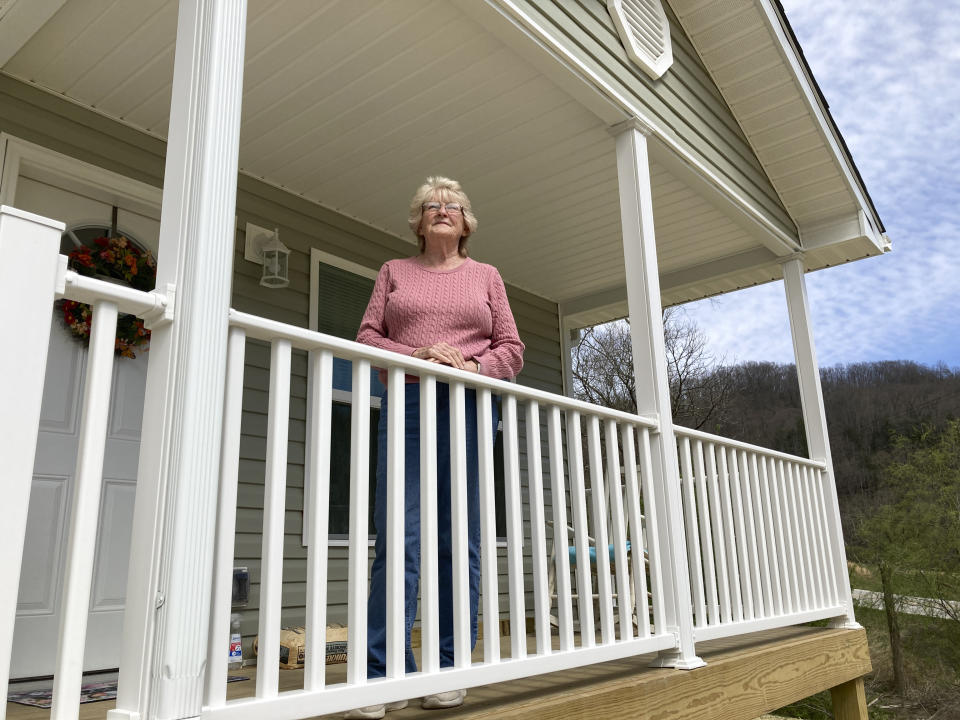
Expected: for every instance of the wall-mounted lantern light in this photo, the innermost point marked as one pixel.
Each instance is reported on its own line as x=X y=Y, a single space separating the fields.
x=264 y=247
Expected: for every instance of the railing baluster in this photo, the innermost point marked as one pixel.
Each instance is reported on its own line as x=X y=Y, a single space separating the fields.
x=750 y=539
x=789 y=534
x=712 y=601
x=601 y=542
x=653 y=532
x=215 y=693
x=774 y=532
x=581 y=543
x=781 y=521
x=488 y=530
x=88 y=482
x=459 y=527
x=743 y=560
x=635 y=520
x=429 y=568
x=359 y=533
x=321 y=409
x=511 y=459
x=819 y=477
x=816 y=552
x=716 y=513
x=690 y=523
x=396 y=479
x=561 y=542
x=618 y=532
x=805 y=573
x=810 y=573
x=538 y=536
x=759 y=515
x=274 y=507
x=733 y=539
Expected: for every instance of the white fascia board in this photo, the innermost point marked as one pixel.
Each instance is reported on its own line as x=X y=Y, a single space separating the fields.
x=20 y=20
x=842 y=229
x=812 y=100
x=549 y=45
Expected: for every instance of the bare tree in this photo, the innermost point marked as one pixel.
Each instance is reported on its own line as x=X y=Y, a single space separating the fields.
x=603 y=370
x=700 y=385
x=603 y=366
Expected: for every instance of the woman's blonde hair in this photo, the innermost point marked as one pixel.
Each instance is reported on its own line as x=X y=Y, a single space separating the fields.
x=445 y=190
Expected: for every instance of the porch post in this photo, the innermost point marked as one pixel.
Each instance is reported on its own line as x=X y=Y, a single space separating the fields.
x=650 y=372
x=566 y=347
x=29 y=245
x=815 y=421
x=168 y=592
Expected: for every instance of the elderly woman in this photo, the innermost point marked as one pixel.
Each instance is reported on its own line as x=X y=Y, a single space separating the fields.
x=442 y=307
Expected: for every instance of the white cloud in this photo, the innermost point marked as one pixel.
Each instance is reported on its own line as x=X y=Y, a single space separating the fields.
x=889 y=72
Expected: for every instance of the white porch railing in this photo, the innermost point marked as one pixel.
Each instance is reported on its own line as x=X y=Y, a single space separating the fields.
x=758 y=547
x=607 y=625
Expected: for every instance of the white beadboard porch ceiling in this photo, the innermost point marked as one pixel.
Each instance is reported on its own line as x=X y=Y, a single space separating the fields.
x=352 y=103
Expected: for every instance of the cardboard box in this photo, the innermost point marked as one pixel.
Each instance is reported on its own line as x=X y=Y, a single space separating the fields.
x=293 y=646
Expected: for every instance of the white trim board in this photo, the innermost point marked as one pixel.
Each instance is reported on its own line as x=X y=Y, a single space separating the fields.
x=46 y=165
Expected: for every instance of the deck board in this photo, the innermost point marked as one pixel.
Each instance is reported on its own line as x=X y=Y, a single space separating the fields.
x=744 y=678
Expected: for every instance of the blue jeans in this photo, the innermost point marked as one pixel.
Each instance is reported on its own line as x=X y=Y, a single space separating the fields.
x=376 y=607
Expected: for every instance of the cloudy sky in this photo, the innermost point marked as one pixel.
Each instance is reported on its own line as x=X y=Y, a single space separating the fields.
x=890 y=70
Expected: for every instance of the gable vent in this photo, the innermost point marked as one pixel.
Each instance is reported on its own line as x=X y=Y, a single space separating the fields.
x=645 y=33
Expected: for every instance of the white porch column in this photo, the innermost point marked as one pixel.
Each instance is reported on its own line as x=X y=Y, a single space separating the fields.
x=653 y=389
x=29 y=246
x=815 y=419
x=168 y=592
x=566 y=347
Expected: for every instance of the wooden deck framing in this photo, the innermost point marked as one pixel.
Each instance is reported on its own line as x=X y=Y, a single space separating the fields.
x=744 y=678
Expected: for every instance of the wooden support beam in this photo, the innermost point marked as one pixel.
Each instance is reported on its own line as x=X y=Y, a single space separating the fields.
x=849 y=700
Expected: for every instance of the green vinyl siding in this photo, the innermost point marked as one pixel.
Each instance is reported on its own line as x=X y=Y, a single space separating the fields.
x=684 y=101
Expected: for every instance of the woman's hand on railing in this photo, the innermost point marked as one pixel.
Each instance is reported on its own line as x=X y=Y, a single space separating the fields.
x=446 y=354
x=441 y=352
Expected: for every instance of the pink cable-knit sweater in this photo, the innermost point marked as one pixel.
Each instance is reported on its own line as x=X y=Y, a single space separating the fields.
x=412 y=307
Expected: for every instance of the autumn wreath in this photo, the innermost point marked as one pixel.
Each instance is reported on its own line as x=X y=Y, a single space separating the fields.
x=119 y=259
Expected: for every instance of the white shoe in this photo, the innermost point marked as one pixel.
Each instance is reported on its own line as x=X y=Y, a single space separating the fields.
x=451 y=699
x=374 y=712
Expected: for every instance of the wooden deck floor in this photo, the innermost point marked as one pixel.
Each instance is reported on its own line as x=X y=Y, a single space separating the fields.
x=744 y=678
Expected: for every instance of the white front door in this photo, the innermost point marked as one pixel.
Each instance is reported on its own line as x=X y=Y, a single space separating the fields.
x=38 y=611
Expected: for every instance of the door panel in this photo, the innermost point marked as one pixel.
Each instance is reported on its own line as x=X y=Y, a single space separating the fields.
x=116 y=522
x=60 y=410
x=43 y=550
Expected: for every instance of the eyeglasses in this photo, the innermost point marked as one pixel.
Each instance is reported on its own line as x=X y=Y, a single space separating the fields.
x=451 y=208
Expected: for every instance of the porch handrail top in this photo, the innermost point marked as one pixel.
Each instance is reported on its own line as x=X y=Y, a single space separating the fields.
x=83 y=288
x=268 y=330
x=32 y=217
x=681 y=431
